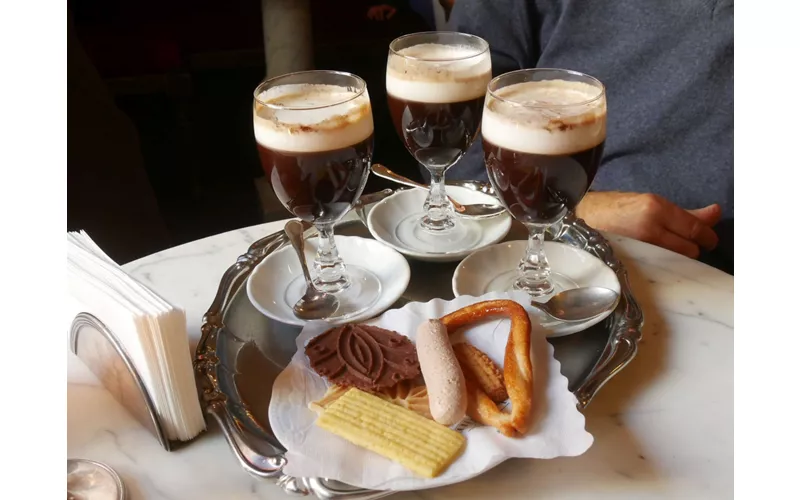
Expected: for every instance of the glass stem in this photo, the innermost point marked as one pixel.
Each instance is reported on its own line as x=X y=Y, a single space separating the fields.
x=534 y=270
x=330 y=274
x=438 y=210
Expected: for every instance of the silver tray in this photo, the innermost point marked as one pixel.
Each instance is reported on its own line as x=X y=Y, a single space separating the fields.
x=241 y=351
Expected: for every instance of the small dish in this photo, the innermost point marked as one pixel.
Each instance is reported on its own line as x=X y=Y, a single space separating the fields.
x=491 y=270
x=277 y=282
x=90 y=479
x=393 y=221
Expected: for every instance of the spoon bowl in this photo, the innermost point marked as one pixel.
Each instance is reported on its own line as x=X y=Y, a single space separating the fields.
x=314 y=304
x=579 y=304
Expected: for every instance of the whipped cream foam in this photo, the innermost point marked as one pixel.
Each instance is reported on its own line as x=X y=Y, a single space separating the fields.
x=554 y=117
x=311 y=118
x=438 y=73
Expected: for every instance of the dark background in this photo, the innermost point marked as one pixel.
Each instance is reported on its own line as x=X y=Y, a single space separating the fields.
x=160 y=141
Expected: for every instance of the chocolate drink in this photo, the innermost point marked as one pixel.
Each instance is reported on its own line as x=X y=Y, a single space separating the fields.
x=319 y=186
x=436 y=94
x=540 y=188
x=542 y=143
x=315 y=143
x=436 y=134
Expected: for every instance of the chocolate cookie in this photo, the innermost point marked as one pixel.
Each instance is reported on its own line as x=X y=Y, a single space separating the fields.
x=363 y=356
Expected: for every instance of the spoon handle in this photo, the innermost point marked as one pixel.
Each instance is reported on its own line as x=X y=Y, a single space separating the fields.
x=294 y=230
x=384 y=172
x=539 y=307
x=369 y=199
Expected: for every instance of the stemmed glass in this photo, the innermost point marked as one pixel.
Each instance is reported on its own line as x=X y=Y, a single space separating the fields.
x=436 y=86
x=314 y=133
x=543 y=134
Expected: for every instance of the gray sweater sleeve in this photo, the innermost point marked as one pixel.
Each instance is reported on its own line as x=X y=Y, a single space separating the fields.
x=513 y=46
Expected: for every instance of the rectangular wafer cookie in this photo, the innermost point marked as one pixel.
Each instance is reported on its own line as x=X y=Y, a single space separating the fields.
x=421 y=445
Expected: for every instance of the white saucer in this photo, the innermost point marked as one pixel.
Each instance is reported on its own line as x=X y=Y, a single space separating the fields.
x=385 y=218
x=267 y=284
x=489 y=269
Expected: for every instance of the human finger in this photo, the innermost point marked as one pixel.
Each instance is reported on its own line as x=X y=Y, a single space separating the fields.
x=671 y=241
x=689 y=227
x=710 y=215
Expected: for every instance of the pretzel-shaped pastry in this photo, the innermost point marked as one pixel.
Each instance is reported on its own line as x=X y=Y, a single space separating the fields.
x=517 y=370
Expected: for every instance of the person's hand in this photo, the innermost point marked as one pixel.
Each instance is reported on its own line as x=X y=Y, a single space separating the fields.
x=381 y=12
x=651 y=218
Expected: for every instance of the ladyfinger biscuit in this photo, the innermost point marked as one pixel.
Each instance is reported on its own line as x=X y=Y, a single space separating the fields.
x=447 y=391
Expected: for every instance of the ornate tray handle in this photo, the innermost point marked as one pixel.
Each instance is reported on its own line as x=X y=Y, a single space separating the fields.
x=620 y=349
x=250 y=460
x=627 y=319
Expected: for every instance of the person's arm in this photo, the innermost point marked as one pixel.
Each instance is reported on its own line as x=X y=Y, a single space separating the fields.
x=651 y=218
x=512 y=30
x=508 y=28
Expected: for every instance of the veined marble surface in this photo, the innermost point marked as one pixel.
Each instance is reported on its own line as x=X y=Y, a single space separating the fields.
x=663 y=427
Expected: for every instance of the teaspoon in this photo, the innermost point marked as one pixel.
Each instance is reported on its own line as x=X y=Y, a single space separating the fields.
x=579 y=304
x=314 y=304
x=477 y=210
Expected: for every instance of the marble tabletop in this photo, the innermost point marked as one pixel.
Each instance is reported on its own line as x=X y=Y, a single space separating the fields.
x=663 y=427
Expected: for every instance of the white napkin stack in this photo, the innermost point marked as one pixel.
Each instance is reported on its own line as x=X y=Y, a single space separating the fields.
x=151 y=330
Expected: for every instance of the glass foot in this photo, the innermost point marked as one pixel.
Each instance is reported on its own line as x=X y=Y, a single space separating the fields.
x=509 y=281
x=464 y=235
x=363 y=292
x=541 y=292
